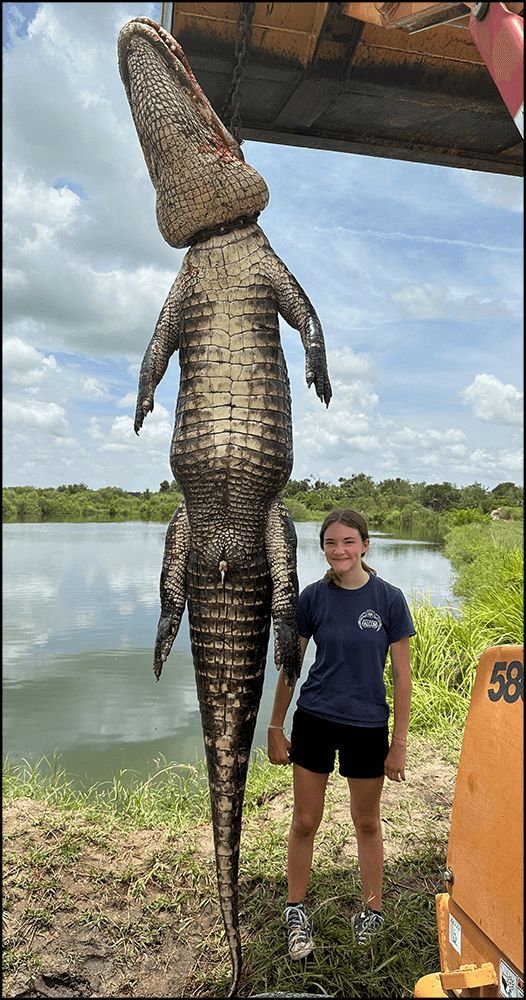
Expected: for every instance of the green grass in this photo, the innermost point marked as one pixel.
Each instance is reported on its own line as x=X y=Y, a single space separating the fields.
x=175 y=795
x=488 y=559
x=389 y=967
x=170 y=875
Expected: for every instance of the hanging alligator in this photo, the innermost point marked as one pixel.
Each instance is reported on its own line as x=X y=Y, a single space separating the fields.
x=230 y=551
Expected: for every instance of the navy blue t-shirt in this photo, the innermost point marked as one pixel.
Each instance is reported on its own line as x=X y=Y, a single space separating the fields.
x=353 y=630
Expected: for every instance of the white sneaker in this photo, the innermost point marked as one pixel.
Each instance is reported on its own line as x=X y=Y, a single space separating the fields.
x=300 y=930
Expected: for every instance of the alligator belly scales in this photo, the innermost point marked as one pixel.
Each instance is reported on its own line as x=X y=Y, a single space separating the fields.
x=230 y=552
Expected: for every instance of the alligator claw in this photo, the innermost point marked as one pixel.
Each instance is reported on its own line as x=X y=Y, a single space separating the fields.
x=144 y=406
x=166 y=632
x=287 y=651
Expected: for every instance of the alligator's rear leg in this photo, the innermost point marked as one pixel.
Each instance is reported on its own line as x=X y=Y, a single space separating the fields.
x=173 y=586
x=280 y=540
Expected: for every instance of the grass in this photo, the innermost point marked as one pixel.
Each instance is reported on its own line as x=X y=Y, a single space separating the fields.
x=386 y=968
x=53 y=885
x=449 y=641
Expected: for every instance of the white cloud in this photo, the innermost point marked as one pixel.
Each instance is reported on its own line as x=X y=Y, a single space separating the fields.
x=496 y=190
x=481 y=457
x=94 y=388
x=49 y=208
x=512 y=460
x=438 y=302
x=493 y=401
x=23 y=364
x=405 y=435
x=156 y=430
x=94 y=429
x=122 y=436
x=344 y=363
x=69 y=442
x=128 y=401
x=364 y=442
x=45 y=416
x=452 y=434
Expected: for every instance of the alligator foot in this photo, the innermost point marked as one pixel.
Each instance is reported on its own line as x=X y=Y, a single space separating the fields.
x=281 y=544
x=167 y=630
x=173 y=586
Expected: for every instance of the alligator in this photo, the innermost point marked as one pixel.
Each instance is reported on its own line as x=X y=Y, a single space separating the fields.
x=230 y=551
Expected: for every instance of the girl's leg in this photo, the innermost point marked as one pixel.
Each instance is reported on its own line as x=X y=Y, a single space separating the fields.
x=309 y=800
x=365 y=813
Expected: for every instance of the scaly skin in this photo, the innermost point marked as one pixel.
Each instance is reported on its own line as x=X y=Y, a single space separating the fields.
x=230 y=551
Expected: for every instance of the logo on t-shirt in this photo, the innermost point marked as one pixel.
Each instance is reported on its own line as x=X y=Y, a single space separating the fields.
x=370 y=619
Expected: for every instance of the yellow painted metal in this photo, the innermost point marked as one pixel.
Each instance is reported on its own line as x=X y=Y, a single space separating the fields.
x=477 y=949
x=486 y=837
x=315 y=77
x=364 y=12
x=480 y=917
x=409 y=17
x=421 y=16
x=288 y=29
x=429 y=986
x=469 y=977
x=440 y=48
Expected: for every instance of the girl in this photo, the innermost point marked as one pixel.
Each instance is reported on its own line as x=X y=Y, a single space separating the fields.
x=354 y=618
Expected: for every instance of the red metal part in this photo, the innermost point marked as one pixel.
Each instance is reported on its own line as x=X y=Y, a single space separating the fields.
x=499 y=38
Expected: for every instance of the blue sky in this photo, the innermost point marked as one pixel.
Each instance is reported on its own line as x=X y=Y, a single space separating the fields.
x=416 y=272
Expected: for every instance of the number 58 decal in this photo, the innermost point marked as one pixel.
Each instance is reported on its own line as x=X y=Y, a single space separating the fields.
x=508 y=677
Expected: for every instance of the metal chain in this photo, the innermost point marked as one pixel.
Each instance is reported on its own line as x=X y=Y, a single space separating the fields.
x=244 y=32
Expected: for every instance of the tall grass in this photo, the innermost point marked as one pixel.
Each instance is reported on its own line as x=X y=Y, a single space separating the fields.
x=449 y=641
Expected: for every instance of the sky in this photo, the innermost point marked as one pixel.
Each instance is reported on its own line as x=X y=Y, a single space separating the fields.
x=416 y=273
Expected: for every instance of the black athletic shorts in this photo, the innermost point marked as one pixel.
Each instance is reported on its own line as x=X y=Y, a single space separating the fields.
x=361 y=749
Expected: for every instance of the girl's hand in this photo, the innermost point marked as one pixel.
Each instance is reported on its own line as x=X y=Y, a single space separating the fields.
x=394 y=765
x=278 y=744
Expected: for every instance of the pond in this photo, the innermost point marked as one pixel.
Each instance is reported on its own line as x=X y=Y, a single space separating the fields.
x=81 y=605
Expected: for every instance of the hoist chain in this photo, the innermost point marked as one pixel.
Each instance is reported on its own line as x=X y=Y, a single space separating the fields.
x=244 y=32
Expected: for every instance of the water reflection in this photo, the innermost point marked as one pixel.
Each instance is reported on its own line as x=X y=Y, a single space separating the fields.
x=80 y=614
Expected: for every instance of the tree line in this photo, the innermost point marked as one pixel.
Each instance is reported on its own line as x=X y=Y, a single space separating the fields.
x=77 y=502
x=397 y=502
x=389 y=503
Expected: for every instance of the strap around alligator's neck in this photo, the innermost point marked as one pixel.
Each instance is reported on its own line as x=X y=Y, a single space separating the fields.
x=223 y=227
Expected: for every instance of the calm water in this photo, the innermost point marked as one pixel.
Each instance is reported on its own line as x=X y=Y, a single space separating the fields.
x=81 y=607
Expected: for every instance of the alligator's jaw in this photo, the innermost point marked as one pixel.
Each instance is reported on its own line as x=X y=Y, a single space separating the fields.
x=196 y=166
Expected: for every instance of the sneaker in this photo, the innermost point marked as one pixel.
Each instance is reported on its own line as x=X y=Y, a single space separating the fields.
x=300 y=930
x=365 y=923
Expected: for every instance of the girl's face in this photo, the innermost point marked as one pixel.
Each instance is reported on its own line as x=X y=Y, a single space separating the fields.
x=344 y=547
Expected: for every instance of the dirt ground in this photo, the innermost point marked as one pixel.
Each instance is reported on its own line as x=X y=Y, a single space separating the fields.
x=99 y=915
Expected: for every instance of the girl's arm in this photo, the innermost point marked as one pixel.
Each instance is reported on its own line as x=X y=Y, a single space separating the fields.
x=278 y=744
x=394 y=767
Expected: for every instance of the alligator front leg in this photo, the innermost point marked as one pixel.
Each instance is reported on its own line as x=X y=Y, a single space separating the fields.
x=280 y=540
x=298 y=311
x=164 y=343
x=173 y=586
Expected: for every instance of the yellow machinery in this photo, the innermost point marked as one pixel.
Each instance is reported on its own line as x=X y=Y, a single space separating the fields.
x=480 y=917
x=426 y=82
